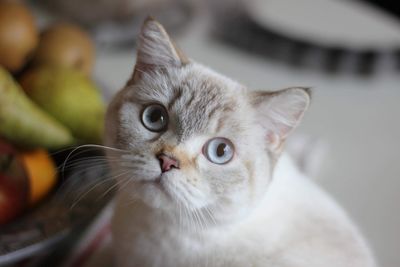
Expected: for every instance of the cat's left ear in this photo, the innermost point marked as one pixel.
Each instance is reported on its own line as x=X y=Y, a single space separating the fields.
x=156 y=50
x=280 y=112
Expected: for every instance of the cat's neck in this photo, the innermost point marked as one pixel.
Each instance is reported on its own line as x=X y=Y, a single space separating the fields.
x=138 y=212
x=174 y=222
x=168 y=223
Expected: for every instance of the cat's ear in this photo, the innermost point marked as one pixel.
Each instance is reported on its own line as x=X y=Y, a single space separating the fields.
x=280 y=112
x=156 y=49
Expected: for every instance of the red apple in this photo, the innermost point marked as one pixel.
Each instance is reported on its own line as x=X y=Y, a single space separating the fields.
x=13 y=184
x=12 y=198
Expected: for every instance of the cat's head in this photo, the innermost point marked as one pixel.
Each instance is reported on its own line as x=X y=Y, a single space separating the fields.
x=194 y=138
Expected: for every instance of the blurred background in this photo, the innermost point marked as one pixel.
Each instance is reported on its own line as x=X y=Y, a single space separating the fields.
x=348 y=51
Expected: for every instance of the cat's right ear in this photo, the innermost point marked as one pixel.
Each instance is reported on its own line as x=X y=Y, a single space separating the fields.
x=155 y=50
x=280 y=112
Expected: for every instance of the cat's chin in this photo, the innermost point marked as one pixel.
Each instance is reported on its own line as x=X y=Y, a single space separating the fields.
x=160 y=193
x=154 y=195
x=154 y=182
x=157 y=182
x=154 y=192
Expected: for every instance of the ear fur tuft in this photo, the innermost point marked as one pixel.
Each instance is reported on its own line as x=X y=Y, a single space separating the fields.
x=279 y=112
x=156 y=49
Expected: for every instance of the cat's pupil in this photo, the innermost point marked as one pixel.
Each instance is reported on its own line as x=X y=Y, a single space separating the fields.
x=156 y=115
x=221 y=149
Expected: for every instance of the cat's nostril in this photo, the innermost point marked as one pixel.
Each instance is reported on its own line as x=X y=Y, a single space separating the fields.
x=167 y=163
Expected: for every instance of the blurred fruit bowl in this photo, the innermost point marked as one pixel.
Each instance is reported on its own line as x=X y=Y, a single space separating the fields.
x=80 y=195
x=48 y=101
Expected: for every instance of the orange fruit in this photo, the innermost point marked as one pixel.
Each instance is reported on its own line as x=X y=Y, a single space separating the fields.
x=41 y=171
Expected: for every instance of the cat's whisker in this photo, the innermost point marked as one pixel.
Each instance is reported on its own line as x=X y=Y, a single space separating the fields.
x=54 y=153
x=117 y=184
x=196 y=218
x=202 y=221
x=97 y=184
x=87 y=146
x=81 y=170
x=71 y=159
x=211 y=215
x=194 y=221
x=190 y=218
x=91 y=162
x=88 y=149
x=180 y=217
x=132 y=156
x=83 y=164
x=87 y=191
x=125 y=182
x=75 y=178
x=134 y=199
x=129 y=163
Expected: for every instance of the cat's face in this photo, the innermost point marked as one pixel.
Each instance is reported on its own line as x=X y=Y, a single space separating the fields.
x=193 y=138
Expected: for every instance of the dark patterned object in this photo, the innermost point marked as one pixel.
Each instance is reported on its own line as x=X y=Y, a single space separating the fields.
x=79 y=198
x=388 y=6
x=117 y=23
x=242 y=31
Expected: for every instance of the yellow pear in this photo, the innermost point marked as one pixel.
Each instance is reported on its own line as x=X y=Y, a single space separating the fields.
x=70 y=97
x=26 y=124
x=66 y=45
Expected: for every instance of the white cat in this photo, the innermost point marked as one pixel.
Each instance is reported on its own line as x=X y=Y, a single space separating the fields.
x=202 y=177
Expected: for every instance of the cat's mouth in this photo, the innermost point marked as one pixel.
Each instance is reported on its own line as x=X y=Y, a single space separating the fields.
x=158 y=182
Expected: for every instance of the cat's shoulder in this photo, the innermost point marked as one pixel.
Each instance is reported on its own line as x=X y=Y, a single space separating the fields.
x=301 y=215
x=292 y=189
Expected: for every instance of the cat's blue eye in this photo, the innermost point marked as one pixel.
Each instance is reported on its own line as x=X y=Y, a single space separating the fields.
x=155 y=118
x=219 y=150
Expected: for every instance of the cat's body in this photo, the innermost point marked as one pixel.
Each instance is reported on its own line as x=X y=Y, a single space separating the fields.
x=202 y=179
x=295 y=225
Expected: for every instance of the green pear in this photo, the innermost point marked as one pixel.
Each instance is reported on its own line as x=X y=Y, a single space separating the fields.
x=24 y=123
x=70 y=97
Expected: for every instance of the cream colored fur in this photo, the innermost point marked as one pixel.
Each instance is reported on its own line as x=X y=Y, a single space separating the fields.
x=257 y=210
x=295 y=225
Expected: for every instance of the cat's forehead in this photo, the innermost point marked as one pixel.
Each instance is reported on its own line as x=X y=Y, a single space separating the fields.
x=199 y=99
x=192 y=78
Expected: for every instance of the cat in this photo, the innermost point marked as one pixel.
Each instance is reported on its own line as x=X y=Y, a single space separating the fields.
x=203 y=177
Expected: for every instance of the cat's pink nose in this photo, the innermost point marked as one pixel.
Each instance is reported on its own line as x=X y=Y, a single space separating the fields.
x=167 y=163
